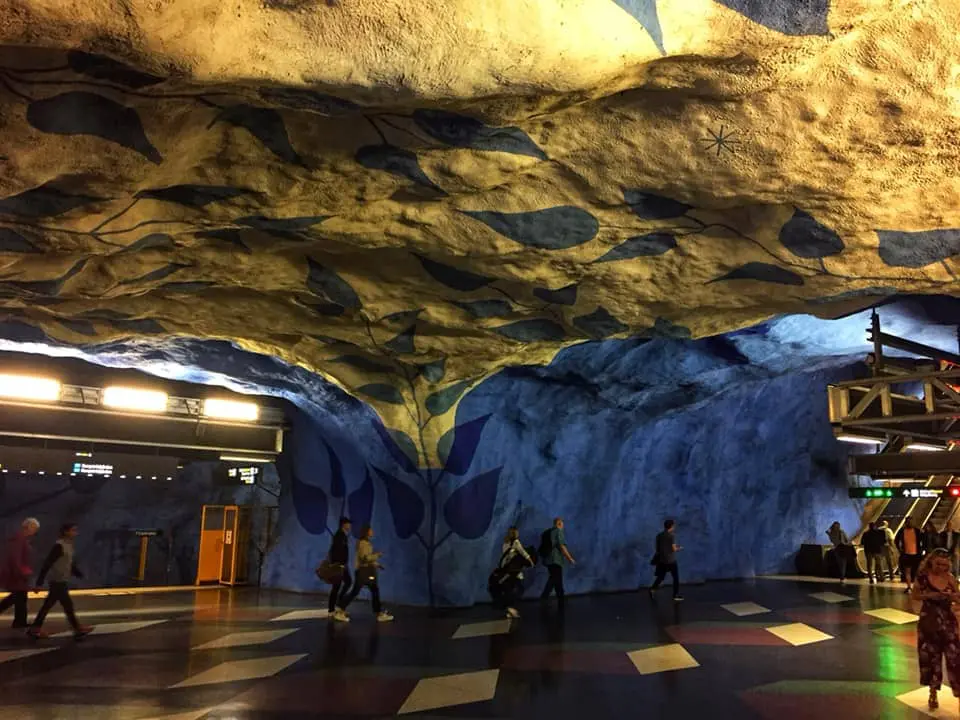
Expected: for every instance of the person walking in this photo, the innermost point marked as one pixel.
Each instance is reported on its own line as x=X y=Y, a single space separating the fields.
x=59 y=566
x=506 y=582
x=16 y=569
x=842 y=548
x=874 y=543
x=951 y=537
x=665 y=559
x=553 y=549
x=890 y=547
x=367 y=566
x=938 y=637
x=909 y=542
x=932 y=538
x=339 y=554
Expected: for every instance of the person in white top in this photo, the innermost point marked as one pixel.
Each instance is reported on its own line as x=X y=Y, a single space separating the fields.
x=513 y=560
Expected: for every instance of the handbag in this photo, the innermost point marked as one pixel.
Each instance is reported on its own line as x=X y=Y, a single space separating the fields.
x=330 y=572
x=655 y=560
x=366 y=575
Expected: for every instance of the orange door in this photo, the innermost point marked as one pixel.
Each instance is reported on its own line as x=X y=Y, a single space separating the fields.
x=210 y=557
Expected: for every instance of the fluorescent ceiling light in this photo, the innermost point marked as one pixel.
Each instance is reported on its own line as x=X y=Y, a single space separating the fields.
x=230 y=409
x=128 y=398
x=27 y=387
x=925 y=446
x=859 y=439
x=244 y=458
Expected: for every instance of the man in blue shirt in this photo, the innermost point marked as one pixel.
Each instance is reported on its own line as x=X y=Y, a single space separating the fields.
x=554 y=561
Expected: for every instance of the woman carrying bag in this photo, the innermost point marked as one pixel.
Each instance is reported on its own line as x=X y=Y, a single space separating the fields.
x=367 y=565
x=333 y=570
x=506 y=582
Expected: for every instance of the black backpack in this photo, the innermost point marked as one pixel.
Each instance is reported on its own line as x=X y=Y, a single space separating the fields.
x=546 y=544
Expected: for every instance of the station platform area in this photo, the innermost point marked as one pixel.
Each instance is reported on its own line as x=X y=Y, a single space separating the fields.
x=772 y=648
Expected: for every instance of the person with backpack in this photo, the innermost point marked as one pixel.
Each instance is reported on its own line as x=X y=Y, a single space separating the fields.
x=59 y=567
x=665 y=559
x=553 y=550
x=506 y=581
x=339 y=554
x=367 y=565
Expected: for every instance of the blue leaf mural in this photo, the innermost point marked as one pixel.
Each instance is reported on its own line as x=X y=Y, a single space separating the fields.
x=84 y=113
x=655 y=243
x=404 y=317
x=310 y=504
x=918 y=249
x=284 y=228
x=667 y=329
x=532 y=330
x=323 y=281
x=645 y=12
x=325 y=309
x=790 y=17
x=190 y=286
x=650 y=206
x=383 y=392
x=81 y=327
x=395 y=161
x=467 y=132
x=363 y=363
x=444 y=444
x=872 y=291
x=452 y=277
x=764 y=272
x=434 y=371
x=158 y=274
x=266 y=125
x=194 y=196
x=486 y=308
x=466 y=440
x=310 y=100
x=233 y=236
x=406 y=506
x=338 y=484
x=403 y=343
x=47 y=200
x=47 y=287
x=807 y=238
x=12 y=241
x=441 y=401
x=360 y=505
x=599 y=324
x=469 y=509
x=155 y=241
x=144 y=326
x=401 y=448
x=555 y=228
x=104 y=68
x=564 y=296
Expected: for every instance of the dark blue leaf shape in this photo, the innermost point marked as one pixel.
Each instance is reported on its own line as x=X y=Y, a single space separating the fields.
x=338 y=484
x=234 y=236
x=158 y=274
x=104 y=314
x=13 y=242
x=466 y=440
x=363 y=363
x=655 y=243
x=790 y=17
x=46 y=200
x=444 y=444
x=645 y=12
x=325 y=282
x=486 y=308
x=383 y=392
x=555 y=228
x=311 y=100
x=469 y=509
x=807 y=238
x=104 y=68
x=467 y=132
x=564 y=296
x=653 y=207
x=918 y=249
x=403 y=343
x=360 y=505
x=396 y=161
x=406 y=507
x=190 y=286
x=434 y=371
x=532 y=330
x=266 y=125
x=399 y=445
x=404 y=317
x=452 y=277
x=286 y=228
x=310 y=504
x=439 y=402
x=146 y=326
x=81 y=327
x=47 y=287
x=325 y=309
x=872 y=291
x=159 y=241
x=83 y=113
x=195 y=196
x=599 y=324
x=764 y=272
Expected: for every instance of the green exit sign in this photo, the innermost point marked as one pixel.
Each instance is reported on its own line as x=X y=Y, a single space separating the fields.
x=872 y=493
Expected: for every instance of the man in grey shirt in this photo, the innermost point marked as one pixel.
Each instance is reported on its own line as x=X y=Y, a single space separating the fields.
x=665 y=559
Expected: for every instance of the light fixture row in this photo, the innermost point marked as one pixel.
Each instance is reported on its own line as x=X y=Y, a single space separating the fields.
x=40 y=389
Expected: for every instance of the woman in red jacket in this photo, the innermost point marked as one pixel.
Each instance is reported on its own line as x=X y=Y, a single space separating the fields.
x=16 y=570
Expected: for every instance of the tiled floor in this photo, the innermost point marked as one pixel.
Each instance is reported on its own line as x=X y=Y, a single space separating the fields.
x=785 y=649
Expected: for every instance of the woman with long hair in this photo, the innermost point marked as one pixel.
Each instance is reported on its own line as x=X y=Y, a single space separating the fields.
x=367 y=567
x=506 y=583
x=938 y=636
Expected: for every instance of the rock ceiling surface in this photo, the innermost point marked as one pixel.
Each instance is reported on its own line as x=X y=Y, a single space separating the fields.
x=406 y=196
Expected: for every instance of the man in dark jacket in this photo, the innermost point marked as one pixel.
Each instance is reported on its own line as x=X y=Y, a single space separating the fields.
x=874 y=543
x=340 y=554
x=16 y=569
x=665 y=559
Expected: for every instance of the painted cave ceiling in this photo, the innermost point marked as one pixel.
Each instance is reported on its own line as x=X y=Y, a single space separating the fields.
x=407 y=196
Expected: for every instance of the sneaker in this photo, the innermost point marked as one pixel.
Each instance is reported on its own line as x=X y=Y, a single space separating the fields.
x=37 y=634
x=83 y=631
x=340 y=616
x=873 y=581
x=512 y=613
x=678 y=598
x=384 y=617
